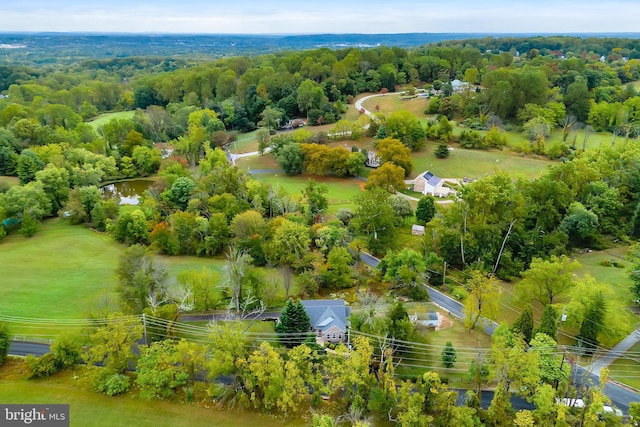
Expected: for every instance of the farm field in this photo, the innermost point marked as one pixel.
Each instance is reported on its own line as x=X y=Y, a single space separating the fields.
x=106 y=117
x=91 y=409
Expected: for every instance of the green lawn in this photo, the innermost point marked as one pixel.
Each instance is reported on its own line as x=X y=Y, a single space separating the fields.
x=475 y=163
x=617 y=278
x=627 y=368
x=106 y=117
x=245 y=143
x=90 y=409
x=341 y=190
x=56 y=273
x=428 y=357
x=392 y=102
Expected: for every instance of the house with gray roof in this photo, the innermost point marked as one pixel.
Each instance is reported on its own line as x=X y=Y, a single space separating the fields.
x=329 y=319
x=428 y=183
x=459 y=86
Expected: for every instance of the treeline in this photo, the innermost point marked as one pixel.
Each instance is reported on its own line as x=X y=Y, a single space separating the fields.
x=355 y=383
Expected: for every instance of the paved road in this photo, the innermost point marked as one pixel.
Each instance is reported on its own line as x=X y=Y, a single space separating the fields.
x=358 y=103
x=24 y=348
x=620 y=396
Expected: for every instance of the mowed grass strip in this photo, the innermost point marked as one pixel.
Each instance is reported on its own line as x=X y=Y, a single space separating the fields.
x=107 y=117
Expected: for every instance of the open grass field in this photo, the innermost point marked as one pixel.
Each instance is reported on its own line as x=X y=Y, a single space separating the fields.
x=245 y=143
x=90 y=409
x=341 y=190
x=475 y=163
x=56 y=273
x=106 y=117
x=393 y=102
x=9 y=180
x=266 y=161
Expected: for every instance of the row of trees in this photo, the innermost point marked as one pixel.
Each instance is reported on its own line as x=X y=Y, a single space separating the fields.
x=361 y=380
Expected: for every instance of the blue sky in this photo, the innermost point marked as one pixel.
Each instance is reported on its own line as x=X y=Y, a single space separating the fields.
x=328 y=16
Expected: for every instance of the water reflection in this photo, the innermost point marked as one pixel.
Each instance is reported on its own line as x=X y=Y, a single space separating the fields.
x=128 y=192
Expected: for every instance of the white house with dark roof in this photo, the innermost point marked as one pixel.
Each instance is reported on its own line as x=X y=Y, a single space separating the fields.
x=459 y=86
x=428 y=183
x=329 y=319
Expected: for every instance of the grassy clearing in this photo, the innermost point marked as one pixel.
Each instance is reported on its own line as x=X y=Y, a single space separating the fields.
x=627 y=368
x=392 y=102
x=10 y=181
x=266 y=161
x=56 y=273
x=475 y=163
x=107 y=117
x=464 y=341
x=341 y=190
x=91 y=409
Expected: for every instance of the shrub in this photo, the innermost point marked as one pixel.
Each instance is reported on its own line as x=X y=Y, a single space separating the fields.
x=110 y=383
x=43 y=366
x=5 y=340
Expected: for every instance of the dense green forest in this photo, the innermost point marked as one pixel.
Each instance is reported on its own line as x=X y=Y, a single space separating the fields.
x=511 y=228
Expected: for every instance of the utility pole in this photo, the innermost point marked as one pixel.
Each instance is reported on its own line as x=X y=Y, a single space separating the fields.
x=444 y=273
x=144 y=328
x=564 y=353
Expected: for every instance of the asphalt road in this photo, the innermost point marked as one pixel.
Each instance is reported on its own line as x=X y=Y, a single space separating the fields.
x=620 y=396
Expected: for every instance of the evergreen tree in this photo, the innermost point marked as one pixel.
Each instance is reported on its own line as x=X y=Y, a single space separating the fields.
x=592 y=323
x=524 y=324
x=448 y=355
x=442 y=151
x=426 y=209
x=400 y=327
x=548 y=322
x=294 y=320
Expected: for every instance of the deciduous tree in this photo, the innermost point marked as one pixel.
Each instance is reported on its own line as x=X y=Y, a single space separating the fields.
x=113 y=344
x=546 y=280
x=483 y=298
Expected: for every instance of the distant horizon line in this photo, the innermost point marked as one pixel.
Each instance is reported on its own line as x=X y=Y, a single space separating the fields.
x=128 y=33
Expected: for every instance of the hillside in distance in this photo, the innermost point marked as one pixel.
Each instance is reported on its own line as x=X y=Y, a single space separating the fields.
x=56 y=48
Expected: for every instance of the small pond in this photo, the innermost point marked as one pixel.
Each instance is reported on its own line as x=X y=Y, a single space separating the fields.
x=128 y=192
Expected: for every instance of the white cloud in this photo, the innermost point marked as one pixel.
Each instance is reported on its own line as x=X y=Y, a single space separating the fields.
x=333 y=16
